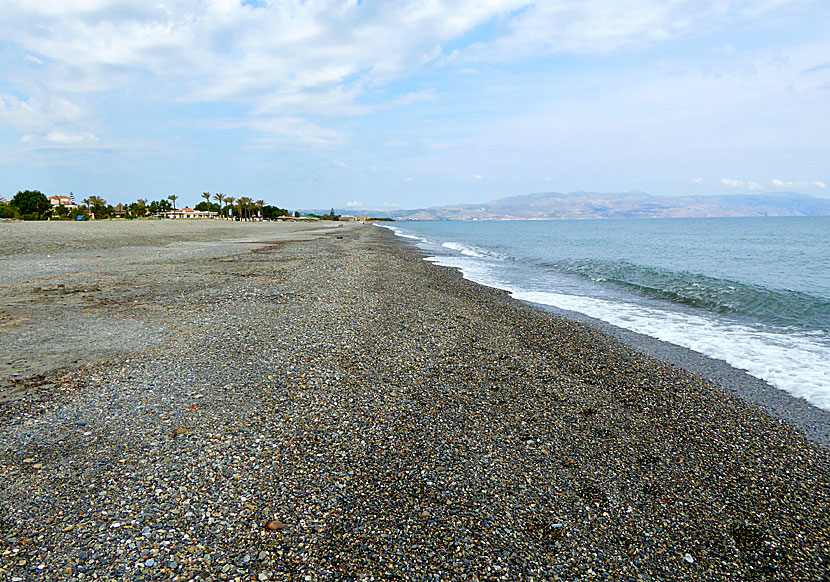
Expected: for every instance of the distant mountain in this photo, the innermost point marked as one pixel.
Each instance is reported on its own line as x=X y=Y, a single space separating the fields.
x=576 y=205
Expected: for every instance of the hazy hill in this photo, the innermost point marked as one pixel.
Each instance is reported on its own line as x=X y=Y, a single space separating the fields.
x=575 y=205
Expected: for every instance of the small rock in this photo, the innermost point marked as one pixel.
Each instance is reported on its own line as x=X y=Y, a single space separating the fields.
x=275 y=525
x=689 y=558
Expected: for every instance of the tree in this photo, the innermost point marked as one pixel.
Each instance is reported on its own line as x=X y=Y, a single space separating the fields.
x=172 y=198
x=242 y=202
x=8 y=211
x=99 y=207
x=138 y=208
x=208 y=207
x=158 y=206
x=31 y=203
x=230 y=200
x=206 y=196
x=271 y=212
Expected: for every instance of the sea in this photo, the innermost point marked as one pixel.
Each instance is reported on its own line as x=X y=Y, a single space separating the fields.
x=753 y=292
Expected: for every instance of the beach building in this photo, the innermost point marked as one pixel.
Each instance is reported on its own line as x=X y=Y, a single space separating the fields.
x=65 y=201
x=187 y=213
x=119 y=211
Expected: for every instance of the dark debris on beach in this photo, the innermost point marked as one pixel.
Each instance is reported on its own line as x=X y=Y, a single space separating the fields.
x=339 y=409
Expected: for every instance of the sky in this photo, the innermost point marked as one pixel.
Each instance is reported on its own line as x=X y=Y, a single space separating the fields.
x=412 y=103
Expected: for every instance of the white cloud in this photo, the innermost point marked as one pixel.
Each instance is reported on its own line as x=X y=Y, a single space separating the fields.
x=478 y=178
x=599 y=26
x=296 y=130
x=743 y=184
x=36 y=113
x=696 y=180
x=778 y=183
x=62 y=139
x=353 y=204
x=325 y=57
x=408 y=179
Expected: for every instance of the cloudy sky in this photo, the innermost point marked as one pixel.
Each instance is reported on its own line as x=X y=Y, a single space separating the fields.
x=382 y=104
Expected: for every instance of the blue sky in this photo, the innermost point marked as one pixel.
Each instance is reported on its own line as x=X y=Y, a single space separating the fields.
x=404 y=104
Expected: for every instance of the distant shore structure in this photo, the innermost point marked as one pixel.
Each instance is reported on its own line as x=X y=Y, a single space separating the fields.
x=66 y=201
x=187 y=213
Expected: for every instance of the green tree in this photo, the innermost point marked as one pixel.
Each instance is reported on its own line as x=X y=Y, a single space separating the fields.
x=230 y=200
x=100 y=208
x=157 y=206
x=172 y=198
x=219 y=198
x=31 y=203
x=206 y=196
x=138 y=208
x=271 y=212
x=207 y=207
x=8 y=211
x=244 y=206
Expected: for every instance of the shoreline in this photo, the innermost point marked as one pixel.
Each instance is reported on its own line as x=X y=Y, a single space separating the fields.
x=336 y=408
x=780 y=404
x=812 y=420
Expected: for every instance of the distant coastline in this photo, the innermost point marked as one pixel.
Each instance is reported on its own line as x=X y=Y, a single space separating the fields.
x=594 y=205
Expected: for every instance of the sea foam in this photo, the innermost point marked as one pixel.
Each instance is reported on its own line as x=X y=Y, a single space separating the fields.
x=795 y=362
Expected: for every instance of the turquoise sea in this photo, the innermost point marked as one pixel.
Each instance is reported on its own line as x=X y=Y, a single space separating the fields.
x=754 y=292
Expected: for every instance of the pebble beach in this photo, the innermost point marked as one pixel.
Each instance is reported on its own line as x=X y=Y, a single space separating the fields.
x=229 y=401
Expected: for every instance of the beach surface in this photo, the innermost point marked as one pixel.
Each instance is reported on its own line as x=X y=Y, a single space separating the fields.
x=238 y=401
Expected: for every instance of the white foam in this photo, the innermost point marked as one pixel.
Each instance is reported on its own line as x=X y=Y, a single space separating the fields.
x=796 y=363
x=400 y=233
x=467 y=250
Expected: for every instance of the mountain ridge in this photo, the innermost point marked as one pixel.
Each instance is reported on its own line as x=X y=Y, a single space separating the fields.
x=619 y=205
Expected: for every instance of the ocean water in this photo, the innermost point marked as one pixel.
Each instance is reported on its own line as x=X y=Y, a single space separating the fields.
x=754 y=292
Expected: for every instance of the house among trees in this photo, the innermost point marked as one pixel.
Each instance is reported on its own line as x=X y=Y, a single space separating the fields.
x=65 y=201
x=187 y=213
x=119 y=211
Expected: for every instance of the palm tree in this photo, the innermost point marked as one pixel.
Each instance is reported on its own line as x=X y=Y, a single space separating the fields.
x=260 y=204
x=206 y=196
x=87 y=201
x=219 y=198
x=172 y=198
x=242 y=202
x=143 y=203
x=230 y=200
